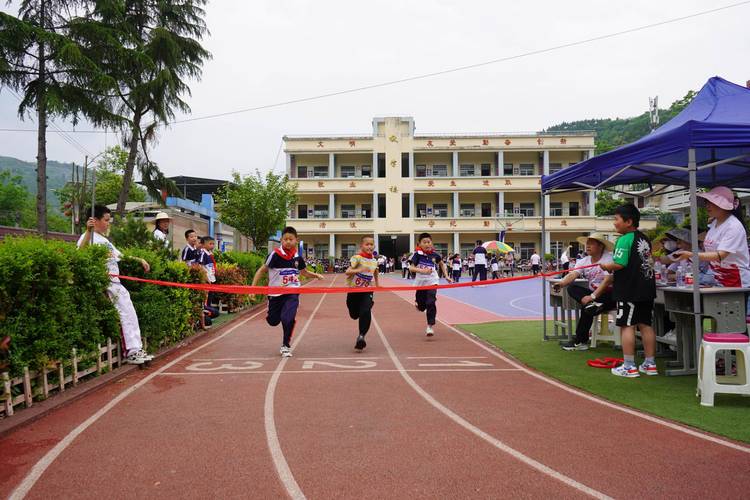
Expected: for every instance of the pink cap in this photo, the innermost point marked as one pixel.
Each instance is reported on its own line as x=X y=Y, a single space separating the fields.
x=720 y=196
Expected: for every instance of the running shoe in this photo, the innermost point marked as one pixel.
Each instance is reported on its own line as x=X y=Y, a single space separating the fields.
x=361 y=344
x=135 y=358
x=286 y=352
x=429 y=331
x=629 y=371
x=572 y=346
x=145 y=355
x=648 y=369
x=594 y=308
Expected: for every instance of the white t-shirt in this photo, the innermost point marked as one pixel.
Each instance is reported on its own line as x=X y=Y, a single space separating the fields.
x=114 y=254
x=456 y=265
x=595 y=275
x=495 y=267
x=480 y=256
x=564 y=259
x=161 y=236
x=535 y=259
x=734 y=270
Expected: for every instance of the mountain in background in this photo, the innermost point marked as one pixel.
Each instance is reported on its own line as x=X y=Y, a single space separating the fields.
x=57 y=175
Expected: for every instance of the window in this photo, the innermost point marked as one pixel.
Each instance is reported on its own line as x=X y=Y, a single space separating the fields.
x=320 y=212
x=572 y=163
x=381 y=206
x=527 y=209
x=302 y=171
x=348 y=250
x=366 y=170
x=554 y=167
x=466 y=250
x=320 y=171
x=405 y=208
x=367 y=210
x=467 y=210
x=421 y=171
x=525 y=251
x=486 y=209
x=440 y=249
x=381 y=164
x=348 y=171
x=556 y=248
x=507 y=169
x=486 y=169
x=421 y=209
x=404 y=164
x=348 y=211
x=466 y=170
x=321 y=251
x=574 y=209
x=440 y=171
x=440 y=209
x=507 y=209
x=526 y=169
x=555 y=209
x=302 y=211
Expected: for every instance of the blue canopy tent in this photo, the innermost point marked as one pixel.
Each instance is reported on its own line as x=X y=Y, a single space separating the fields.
x=706 y=145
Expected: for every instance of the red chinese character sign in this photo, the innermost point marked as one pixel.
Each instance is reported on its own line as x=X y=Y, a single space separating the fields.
x=507 y=142
x=352 y=184
x=320 y=144
x=485 y=142
x=431 y=223
x=485 y=182
x=487 y=223
x=352 y=143
x=429 y=144
x=431 y=183
x=540 y=141
x=452 y=142
x=321 y=184
x=508 y=182
x=453 y=183
x=353 y=224
x=453 y=223
x=563 y=140
x=322 y=225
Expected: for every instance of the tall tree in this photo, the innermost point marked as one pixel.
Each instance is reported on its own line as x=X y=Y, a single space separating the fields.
x=153 y=49
x=257 y=206
x=39 y=59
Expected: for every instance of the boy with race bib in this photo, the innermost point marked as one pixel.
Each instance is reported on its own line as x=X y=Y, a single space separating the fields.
x=362 y=272
x=284 y=266
x=424 y=263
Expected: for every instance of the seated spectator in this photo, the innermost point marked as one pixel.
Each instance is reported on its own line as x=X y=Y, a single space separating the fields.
x=597 y=296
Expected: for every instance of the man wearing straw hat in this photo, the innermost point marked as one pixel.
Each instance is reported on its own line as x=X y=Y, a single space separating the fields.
x=161 y=227
x=595 y=298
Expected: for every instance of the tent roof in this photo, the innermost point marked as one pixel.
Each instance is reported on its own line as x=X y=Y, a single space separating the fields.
x=716 y=124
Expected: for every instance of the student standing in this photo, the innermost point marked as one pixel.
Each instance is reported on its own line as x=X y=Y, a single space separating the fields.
x=190 y=253
x=284 y=266
x=634 y=291
x=495 y=267
x=362 y=272
x=536 y=260
x=456 y=267
x=424 y=264
x=480 y=262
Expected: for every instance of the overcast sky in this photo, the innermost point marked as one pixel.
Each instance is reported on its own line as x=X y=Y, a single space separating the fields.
x=267 y=51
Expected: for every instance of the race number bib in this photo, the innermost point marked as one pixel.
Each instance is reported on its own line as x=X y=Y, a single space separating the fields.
x=362 y=280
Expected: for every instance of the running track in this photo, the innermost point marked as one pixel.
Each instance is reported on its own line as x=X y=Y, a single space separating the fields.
x=409 y=417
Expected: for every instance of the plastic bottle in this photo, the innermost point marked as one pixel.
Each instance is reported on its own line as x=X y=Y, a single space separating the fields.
x=657 y=272
x=680 y=273
x=688 y=274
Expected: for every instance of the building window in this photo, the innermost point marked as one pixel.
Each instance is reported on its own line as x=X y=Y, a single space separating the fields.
x=527 y=209
x=302 y=211
x=467 y=210
x=320 y=212
x=320 y=171
x=440 y=171
x=486 y=169
x=574 y=209
x=440 y=249
x=405 y=208
x=486 y=209
x=466 y=250
x=348 y=211
x=555 y=209
x=421 y=170
x=526 y=169
x=348 y=250
x=466 y=170
x=525 y=251
x=508 y=169
x=367 y=210
x=381 y=164
x=302 y=171
x=404 y=164
x=554 y=167
x=508 y=209
x=556 y=248
x=421 y=210
x=440 y=209
x=348 y=171
x=366 y=170
x=321 y=251
x=381 y=206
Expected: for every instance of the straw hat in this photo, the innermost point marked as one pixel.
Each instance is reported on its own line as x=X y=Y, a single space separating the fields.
x=162 y=216
x=608 y=245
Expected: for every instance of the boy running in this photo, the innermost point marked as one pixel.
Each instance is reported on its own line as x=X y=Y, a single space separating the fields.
x=424 y=263
x=634 y=291
x=362 y=271
x=284 y=266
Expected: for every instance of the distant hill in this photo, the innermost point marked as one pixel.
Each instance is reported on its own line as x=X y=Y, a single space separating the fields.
x=57 y=175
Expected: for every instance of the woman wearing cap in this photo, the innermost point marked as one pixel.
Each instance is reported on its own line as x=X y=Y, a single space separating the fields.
x=595 y=298
x=725 y=245
x=161 y=227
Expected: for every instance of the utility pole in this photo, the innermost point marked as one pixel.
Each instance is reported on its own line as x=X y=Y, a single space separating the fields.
x=653 y=112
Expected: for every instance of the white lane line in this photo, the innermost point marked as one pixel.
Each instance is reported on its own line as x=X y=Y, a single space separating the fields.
x=272 y=436
x=446 y=357
x=512 y=304
x=232 y=359
x=479 y=432
x=313 y=372
x=334 y=359
x=36 y=472
x=589 y=397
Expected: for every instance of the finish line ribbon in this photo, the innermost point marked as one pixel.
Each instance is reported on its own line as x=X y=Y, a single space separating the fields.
x=281 y=290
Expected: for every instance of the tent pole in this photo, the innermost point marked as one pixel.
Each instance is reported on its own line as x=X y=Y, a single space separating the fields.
x=544 y=280
x=693 y=173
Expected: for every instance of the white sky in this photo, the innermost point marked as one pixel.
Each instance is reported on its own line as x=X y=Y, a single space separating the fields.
x=266 y=51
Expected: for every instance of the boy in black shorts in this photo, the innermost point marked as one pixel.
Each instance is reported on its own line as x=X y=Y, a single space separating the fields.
x=634 y=291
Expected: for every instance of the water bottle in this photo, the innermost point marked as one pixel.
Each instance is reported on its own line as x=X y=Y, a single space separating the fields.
x=658 y=272
x=688 y=274
x=680 y=275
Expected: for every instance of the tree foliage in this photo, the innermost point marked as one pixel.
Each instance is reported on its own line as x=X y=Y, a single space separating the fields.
x=257 y=206
x=606 y=203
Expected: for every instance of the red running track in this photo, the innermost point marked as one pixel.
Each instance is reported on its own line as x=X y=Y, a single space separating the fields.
x=409 y=417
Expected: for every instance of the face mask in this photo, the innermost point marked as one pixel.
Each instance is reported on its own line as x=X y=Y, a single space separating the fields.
x=670 y=245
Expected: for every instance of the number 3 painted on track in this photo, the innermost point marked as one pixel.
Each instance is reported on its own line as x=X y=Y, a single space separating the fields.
x=246 y=365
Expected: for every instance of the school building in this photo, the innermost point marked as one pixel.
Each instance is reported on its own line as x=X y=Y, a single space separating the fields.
x=395 y=184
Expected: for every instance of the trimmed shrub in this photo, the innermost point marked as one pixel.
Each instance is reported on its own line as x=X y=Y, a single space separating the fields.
x=231 y=274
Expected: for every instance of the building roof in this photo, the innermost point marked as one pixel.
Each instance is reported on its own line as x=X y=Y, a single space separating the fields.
x=193 y=187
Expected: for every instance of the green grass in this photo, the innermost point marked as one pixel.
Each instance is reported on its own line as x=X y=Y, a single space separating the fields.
x=669 y=397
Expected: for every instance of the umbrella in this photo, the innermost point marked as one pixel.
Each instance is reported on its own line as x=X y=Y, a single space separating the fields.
x=497 y=246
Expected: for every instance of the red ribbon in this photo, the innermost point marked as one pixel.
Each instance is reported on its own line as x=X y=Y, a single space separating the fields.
x=275 y=290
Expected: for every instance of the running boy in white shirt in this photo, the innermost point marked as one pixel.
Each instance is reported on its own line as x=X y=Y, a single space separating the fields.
x=424 y=263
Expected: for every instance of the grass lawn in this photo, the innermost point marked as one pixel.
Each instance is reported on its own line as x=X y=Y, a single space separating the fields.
x=669 y=397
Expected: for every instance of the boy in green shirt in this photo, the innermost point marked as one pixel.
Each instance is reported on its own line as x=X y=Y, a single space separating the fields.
x=634 y=291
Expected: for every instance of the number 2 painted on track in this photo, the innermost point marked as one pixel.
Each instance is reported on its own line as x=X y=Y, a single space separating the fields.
x=206 y=366
x=309 y=365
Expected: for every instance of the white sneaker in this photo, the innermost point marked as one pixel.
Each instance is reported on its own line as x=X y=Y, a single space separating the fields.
x=135 y=358
x=286 y=352
x=429 y=331
x=145 y=355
